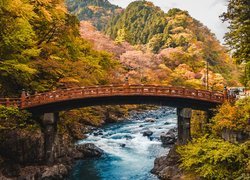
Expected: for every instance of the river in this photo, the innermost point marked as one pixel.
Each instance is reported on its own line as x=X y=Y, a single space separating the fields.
x=128 y=154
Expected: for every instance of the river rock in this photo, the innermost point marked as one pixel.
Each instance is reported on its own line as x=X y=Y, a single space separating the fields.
x=122 y=145
x=55 y=172
x=169 y=138
x=11 y=170
x=147 y=133
x=166 y=167
x=90 y=150
x=149 y=120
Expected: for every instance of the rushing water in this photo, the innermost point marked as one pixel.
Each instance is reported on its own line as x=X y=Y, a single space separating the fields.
x=136 y=159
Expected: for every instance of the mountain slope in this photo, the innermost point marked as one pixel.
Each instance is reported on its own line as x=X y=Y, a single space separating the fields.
x=101 y=41
x=176 y=36
x=137 y=21
x=98 y=12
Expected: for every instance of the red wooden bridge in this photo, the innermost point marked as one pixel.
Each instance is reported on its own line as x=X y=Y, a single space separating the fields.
x=45 y=106
x=69 y=98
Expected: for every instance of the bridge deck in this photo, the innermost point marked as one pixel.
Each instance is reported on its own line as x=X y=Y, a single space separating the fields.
x=27 y=102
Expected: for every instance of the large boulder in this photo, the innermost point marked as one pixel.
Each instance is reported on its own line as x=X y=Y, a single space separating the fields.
x=11 y=170
x=166 y=167
x=147 y=133
x=89 y=150
x=169 y=138
x=55 y=172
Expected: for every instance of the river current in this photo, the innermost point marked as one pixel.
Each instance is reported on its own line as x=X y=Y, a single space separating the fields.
x=128 y=154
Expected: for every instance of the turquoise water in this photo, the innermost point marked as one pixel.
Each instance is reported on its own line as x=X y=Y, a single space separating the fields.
x=136 y=159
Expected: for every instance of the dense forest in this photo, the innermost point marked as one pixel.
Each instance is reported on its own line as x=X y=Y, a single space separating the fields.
x=41 y=49
x=174 y=44
x=97 y=11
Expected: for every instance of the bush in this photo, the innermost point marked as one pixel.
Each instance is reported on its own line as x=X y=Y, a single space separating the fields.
x=12 y=118
x=232 y=116
x=212 y=158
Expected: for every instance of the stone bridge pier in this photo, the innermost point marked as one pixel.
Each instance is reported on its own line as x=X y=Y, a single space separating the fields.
x=183 y=123
x=49 y=122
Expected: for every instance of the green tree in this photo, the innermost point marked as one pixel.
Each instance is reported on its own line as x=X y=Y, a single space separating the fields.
x=238 y=37
x=121 y=36
x=238 y=17
x=212 y=158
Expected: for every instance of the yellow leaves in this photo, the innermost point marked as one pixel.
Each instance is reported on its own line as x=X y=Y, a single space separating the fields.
x=46 y=14
x=24 y=68
x=31 y=52
x=214 y=158
x=20 y=8
x=60 y=11
x=50 y=10
x=43 y=2
x=232 y=117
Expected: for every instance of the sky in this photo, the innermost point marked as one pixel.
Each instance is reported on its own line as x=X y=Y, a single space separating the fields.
x=206 y=11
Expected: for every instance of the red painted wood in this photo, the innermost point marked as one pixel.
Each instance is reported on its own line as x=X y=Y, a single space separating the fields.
x=112 y=90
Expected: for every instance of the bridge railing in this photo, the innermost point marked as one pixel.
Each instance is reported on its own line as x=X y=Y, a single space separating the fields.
x=15 y=102
x=118 y=90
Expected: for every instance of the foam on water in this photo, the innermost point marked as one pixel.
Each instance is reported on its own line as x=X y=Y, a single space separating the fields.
x=135 y=160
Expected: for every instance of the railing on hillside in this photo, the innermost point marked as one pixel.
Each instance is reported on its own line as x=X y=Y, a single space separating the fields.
x=15 y=102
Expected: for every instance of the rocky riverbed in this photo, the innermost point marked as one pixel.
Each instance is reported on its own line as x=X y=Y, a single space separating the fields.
x=124 y=150
x=130 y=147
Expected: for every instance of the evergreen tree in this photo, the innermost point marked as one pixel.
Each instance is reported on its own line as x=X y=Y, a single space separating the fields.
x=238 y=37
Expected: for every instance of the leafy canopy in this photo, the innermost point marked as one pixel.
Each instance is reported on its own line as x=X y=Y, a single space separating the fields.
x=41 y=49
x=212 y=158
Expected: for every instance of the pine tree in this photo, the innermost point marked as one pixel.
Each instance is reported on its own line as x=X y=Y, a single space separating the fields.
x=238 y=37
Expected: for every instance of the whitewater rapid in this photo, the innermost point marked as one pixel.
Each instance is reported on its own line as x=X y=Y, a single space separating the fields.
x=128 y=154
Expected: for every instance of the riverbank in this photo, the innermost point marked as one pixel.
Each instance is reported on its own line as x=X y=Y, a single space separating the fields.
x=130 y=147
x=22 y=150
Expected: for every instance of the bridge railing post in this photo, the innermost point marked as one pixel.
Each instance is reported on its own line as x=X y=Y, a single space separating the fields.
x=23 y=98
x=7 y=102
x=225 y=94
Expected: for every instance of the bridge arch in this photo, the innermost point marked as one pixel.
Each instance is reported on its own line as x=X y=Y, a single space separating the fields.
x=48 y=104
x=67 y=99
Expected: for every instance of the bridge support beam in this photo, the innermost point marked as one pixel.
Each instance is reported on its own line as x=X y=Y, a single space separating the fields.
x=183 y=117
x=49 y=121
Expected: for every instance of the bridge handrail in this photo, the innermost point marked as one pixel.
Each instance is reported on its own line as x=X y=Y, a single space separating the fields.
x=10 y=102
x=90 y=91
x=115 y=90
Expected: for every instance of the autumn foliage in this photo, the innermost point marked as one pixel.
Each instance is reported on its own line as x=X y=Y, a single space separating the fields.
x=233 y=116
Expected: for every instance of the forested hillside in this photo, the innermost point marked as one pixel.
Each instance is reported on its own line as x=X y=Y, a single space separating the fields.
x=98 y=12
x=169 y=48
x=41 y=49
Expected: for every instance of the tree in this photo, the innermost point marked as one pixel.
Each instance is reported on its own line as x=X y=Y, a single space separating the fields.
x=212 y=158
x=233 y=117
x=238 y=37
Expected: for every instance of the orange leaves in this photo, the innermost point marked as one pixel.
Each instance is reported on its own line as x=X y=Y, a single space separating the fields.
x=233 y=117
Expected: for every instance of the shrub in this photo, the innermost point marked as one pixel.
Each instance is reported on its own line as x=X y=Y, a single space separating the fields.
x=232 y=116
x=212 y=158
x=11 y=118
